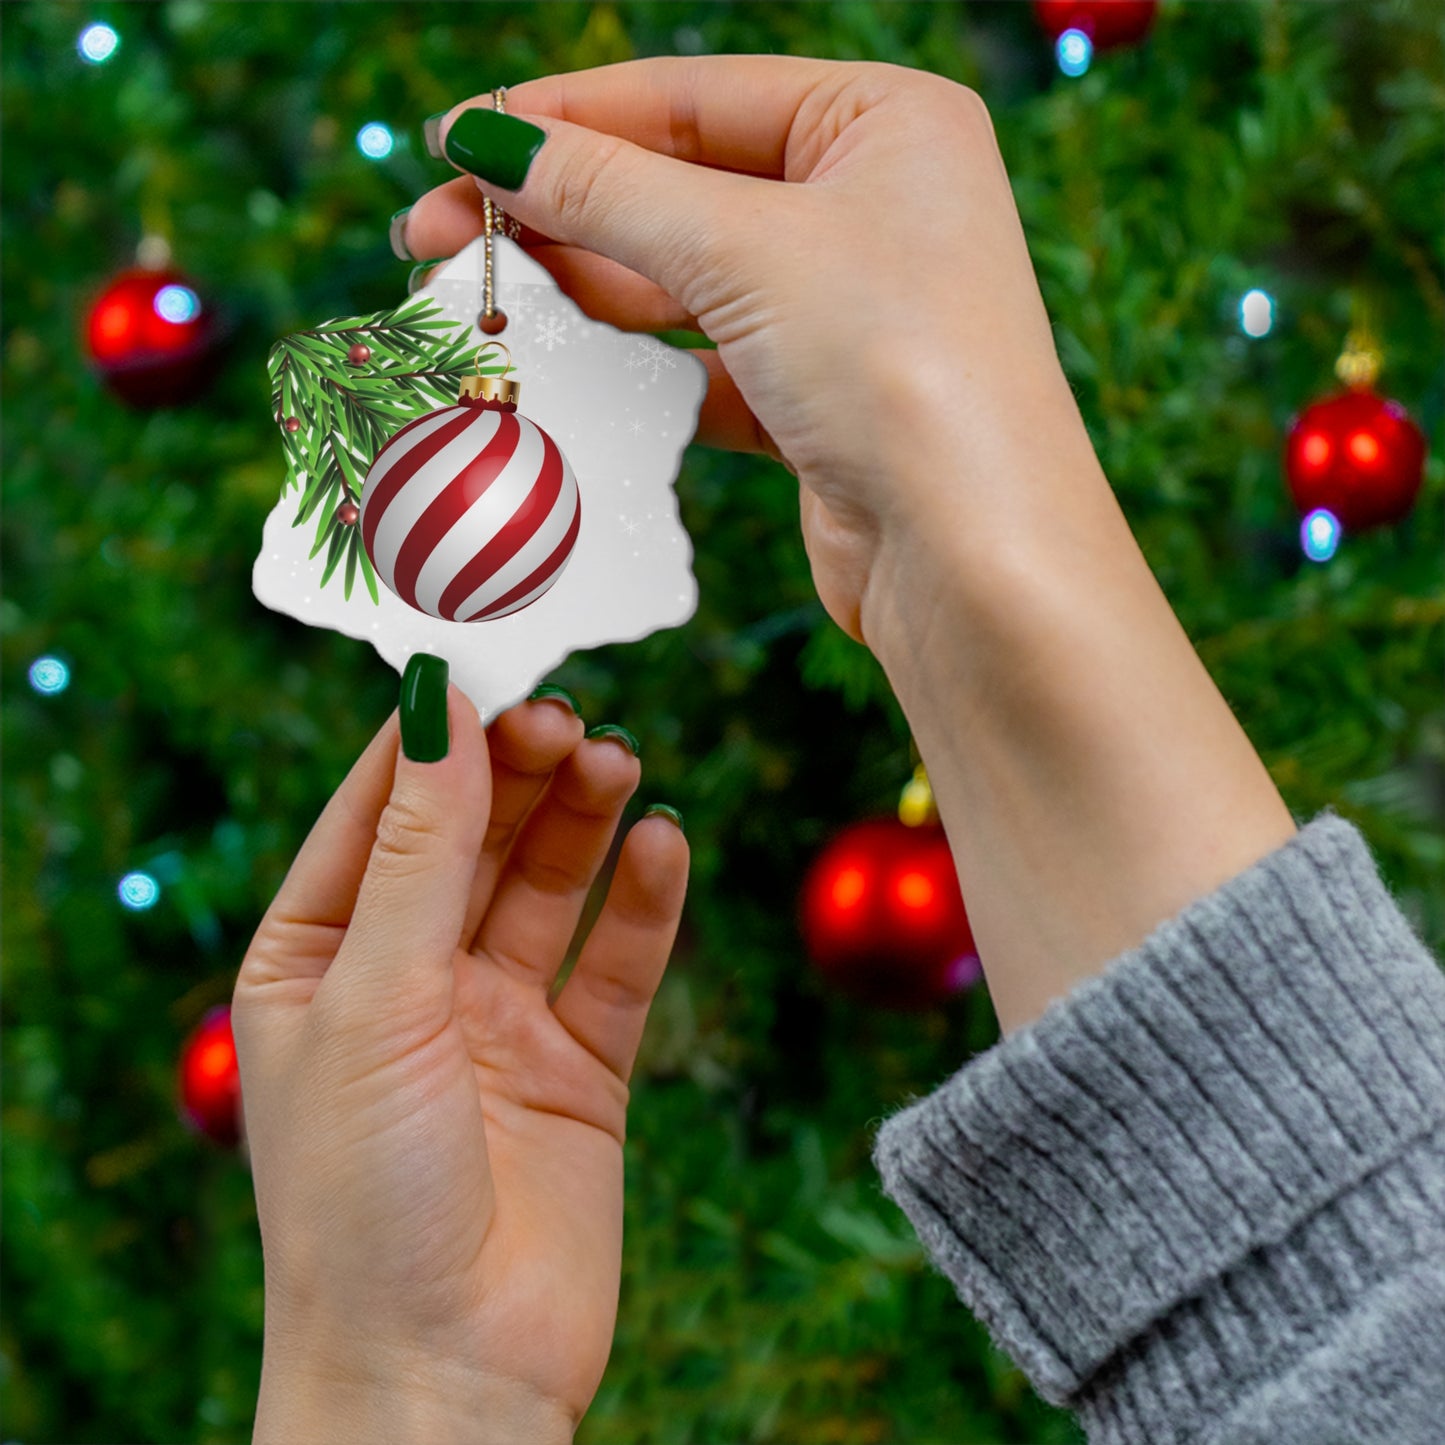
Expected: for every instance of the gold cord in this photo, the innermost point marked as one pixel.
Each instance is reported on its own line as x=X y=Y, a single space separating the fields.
x=494 y=219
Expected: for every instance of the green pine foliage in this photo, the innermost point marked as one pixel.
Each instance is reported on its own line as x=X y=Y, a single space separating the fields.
x=770 y=1292
x=346 y=411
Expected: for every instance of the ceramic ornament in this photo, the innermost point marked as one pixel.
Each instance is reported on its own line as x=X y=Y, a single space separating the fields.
x=501 y=529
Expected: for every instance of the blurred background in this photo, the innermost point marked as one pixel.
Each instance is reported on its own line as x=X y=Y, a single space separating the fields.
x=1218 y=197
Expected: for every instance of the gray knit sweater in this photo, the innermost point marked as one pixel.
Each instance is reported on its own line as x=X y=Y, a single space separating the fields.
x=1202 y=1198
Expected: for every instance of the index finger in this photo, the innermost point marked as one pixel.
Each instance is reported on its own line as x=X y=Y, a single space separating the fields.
x=733 y=112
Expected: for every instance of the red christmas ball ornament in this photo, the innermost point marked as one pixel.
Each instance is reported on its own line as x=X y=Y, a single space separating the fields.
x=471 y=512
x=883 y=917
x=152 y=338
x=359 y=354
x=1107 y=23
x=1358 y=455
x=210 y=1080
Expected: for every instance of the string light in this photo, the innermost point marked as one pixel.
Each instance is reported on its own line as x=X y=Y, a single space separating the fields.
x=138 y=891
x=1074 y=51
x=375 y=141
x=177 y=304
x=49 y=675
x=1256 y=313
x=1319 y=535
x=97 y=44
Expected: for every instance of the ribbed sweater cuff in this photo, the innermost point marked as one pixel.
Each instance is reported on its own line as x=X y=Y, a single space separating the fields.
x=1197 y=1113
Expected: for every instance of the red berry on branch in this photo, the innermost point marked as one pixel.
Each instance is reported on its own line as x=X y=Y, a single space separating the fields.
x=347 y=514
x=359 y=354
x=292 y=423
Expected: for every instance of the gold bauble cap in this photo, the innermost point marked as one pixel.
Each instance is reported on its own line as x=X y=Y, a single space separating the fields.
x=490 y=388
x=501 y=388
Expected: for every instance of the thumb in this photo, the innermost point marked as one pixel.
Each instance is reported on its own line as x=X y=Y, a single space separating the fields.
x=411 y=904
x=666 y=219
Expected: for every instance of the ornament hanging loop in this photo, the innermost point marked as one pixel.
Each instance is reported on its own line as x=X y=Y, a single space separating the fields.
x=500 y=346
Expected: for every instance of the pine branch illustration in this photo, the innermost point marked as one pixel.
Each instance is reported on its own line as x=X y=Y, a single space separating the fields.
x=347 y=411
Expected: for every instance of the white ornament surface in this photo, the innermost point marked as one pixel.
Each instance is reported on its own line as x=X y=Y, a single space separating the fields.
x=623 y=408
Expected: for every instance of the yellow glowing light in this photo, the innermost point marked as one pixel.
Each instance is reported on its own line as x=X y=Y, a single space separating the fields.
x=216 y=1059
x=848 y=887
x=1316 y=449
x=1364 y=448
x=914 y=890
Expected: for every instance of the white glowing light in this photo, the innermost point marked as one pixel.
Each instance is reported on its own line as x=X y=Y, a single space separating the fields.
x=1319 y=535
x=177 y=304
x=138 y=891
x=49 y=675
x=97 y=43
x=375 y=140
x=1074 y=51
x=1256 y=313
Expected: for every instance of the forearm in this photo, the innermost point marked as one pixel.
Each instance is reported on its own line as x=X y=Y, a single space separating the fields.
x=301 y=1400
x=1090 y=776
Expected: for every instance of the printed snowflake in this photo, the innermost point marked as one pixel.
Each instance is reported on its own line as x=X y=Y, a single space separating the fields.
x=651 y=355
x=551 y=329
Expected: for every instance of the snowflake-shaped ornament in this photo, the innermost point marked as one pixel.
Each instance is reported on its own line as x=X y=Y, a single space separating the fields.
x=579 y=385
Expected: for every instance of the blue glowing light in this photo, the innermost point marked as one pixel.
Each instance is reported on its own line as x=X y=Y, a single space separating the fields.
x=1074 y=52
x=1319 y=535
x=97 y=43
x=138 y=891
x=177 y=304
x=49 y=675
x=375 y=140
x=1256 y=313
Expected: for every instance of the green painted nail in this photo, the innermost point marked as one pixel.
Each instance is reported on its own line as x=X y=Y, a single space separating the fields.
x=498 y=148
x=414 y=280
x=396 y=232
x=431 y=133
x=667 y=812
x=550 y=689
x=425 y=736
x=613 y=730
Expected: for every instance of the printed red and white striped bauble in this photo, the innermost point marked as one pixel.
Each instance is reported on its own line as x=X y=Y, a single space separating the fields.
x=471 y=512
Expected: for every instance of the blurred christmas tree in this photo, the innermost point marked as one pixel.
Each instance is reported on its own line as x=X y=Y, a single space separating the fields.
x=183 y=738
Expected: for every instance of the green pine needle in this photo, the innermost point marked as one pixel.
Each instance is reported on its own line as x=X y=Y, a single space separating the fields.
x=349 y=412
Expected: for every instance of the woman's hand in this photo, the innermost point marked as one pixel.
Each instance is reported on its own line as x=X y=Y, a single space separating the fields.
x=437 y=1149
x=847 y=235
x=878 y=324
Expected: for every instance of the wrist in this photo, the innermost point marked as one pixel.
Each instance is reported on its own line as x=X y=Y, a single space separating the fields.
x=397 y=1397
x=1092 y=780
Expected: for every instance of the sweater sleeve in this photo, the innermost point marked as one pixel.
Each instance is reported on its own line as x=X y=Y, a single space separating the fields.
x=1202 y=1198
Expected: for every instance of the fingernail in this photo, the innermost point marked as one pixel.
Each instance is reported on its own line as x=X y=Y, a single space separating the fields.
x=396 y=232
x=550 y=689
x=414 y=280
x=498 y=148
x=667 y=812
x=424 y=733
x=613 y=730
x=431 y=133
